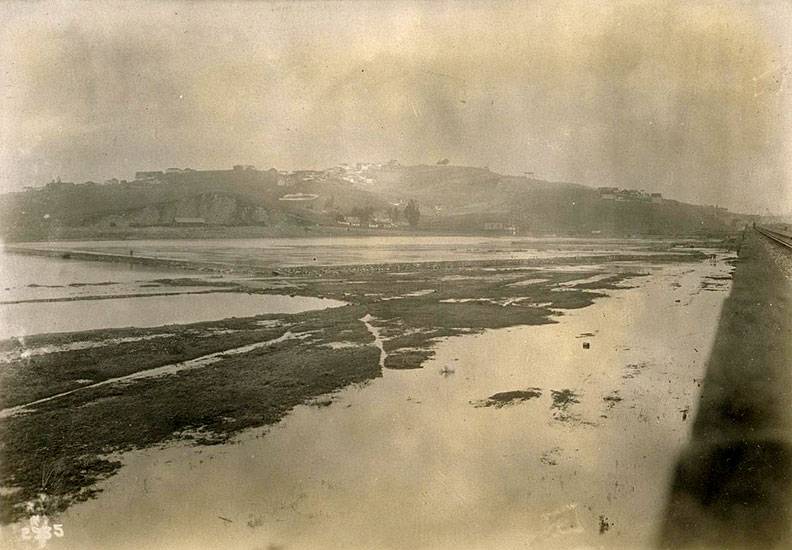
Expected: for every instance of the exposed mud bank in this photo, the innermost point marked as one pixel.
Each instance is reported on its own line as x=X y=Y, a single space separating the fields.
x=74 y=435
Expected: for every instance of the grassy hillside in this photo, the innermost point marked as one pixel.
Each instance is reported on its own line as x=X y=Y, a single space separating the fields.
x=451 y=198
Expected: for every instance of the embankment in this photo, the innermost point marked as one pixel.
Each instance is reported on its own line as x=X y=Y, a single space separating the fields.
x=732 y=484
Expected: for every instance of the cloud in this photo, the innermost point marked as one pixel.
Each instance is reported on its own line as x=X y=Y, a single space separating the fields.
x=683 y=98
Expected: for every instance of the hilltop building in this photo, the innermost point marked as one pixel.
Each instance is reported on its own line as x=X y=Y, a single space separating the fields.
x=625 y=195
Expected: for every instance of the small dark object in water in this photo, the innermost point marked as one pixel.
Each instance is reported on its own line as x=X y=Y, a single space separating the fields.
x=586 y=345
x=506 y=398
x=563 y=399
x=603 y=525
x=612 y=399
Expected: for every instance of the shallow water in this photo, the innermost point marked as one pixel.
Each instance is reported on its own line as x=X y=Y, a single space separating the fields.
x=30 y=278
x=275 y=252
x=412 y=460
x=149 y=311
x=21 y=270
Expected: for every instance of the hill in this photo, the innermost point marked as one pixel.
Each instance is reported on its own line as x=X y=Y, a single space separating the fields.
x=345 y=198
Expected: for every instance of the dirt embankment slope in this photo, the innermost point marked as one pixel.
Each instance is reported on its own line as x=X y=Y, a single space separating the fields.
x=732 y=485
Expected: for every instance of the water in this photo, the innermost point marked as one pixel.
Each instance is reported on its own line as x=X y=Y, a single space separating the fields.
x=19 y=269
x=30 y=279
x=276 y=252
x=46 y=278
x=149 y=311
x=27 y=279
x=410 y=461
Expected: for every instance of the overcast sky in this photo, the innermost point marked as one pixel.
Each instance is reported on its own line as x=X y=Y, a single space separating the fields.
x=688 y=99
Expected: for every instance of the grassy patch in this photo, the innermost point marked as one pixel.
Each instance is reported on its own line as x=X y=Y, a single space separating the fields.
x=504 y=399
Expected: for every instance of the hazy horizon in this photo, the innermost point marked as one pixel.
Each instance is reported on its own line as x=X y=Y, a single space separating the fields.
x=687 y=99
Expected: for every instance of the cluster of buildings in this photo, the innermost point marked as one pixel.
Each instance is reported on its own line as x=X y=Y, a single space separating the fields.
x=378 y=220
x=360 y=173
x=501 y=227
x=58 y=185
x=624 y=195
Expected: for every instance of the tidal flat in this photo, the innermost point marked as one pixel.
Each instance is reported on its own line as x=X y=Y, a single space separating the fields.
x=74 y=404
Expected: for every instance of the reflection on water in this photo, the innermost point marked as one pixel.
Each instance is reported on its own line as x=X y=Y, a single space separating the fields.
x=45 y=278
x=48 y=278
x=274 y=252
x=149 y=311
x=19 y=269
x=412 y=460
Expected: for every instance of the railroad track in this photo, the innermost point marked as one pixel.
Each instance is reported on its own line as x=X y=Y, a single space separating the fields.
x=784 y=239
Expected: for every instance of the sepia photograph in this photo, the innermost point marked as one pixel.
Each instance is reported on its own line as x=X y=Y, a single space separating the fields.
x=395 y=274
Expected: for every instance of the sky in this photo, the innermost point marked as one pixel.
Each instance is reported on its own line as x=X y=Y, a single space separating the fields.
x=690 y=99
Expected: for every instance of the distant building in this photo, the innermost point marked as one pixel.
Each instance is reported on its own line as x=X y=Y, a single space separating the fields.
x=634 y=195
x=608 y=193
x=500 y=226
x=148 y=175
x=494 y=226
x=381 y=220
x=625 y=195
x=350 y=221
x=57 y=184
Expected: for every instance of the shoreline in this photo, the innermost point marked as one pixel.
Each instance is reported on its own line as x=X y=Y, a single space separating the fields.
x=114 y=258
x=307 y=269
x=322 y=231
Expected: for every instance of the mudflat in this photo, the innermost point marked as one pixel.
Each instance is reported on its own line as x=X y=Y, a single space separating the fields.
x=73 y=401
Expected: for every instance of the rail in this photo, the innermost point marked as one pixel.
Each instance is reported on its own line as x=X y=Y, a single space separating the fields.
x=784 y=239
